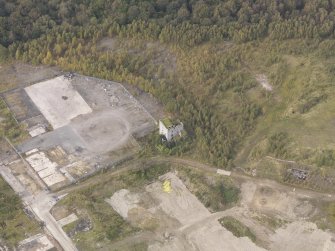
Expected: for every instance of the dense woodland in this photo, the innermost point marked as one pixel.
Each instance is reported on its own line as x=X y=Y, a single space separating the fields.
x=186 y=21
x=208 y=89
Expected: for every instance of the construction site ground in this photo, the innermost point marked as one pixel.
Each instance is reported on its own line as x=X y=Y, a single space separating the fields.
x=178 y=221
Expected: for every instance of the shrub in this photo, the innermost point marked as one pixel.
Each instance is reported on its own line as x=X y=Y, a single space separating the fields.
x=278 y=144
x=236 y=227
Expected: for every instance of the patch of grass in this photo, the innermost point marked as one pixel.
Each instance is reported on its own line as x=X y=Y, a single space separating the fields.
x=300 y=106
x=278 y=144
x=325 y=220
x=67 y=228
x=237 y=228
x=15 y=225
x=3 y=54
x=326 y=158
x=331 y=214
x=8 y=125
x=216 y=193
x=107 y=225
x=269 y=168
x=6 y=86
x=272 y=222
x=308 y=104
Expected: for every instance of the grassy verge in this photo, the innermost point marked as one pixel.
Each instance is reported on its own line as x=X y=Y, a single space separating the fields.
x=318 y=178
x=269 y=221
x=216 y=193
x=8 y=125
x=237 y=228
x=6 y=86
x=326 y=220
x=15 y=225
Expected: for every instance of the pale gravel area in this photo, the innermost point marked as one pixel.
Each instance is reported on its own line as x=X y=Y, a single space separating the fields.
x=123 y=201
x=173 y=244
x=301 y=235
x=289 y=206
x=180 y=204
x=198 y=229
x=248 y=190
x=211 y=236
x=36 y=131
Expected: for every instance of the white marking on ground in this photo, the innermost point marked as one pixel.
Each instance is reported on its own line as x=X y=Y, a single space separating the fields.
x=223 y=172
x=40 y=161
x=31 y=151
x=58 y=101
x=123 y=201
x=68 y=219
x=263 y=80
x=54 y=179
x=37 y=131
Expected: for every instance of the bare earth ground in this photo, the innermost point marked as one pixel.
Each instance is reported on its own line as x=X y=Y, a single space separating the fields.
x=184 y=208
x=301 y=235
x=280 y=220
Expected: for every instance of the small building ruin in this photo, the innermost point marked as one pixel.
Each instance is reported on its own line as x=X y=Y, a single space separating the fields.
x=170 y=130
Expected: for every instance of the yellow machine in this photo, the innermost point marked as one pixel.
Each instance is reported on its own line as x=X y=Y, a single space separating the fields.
x=167 y=186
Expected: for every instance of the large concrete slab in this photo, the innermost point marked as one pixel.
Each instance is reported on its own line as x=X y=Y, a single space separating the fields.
x=47 y=172
x=40 y=161
x=58 y=101
x=54 y=179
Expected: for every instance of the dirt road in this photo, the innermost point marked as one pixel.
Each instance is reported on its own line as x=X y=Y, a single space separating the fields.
x=133 y=165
